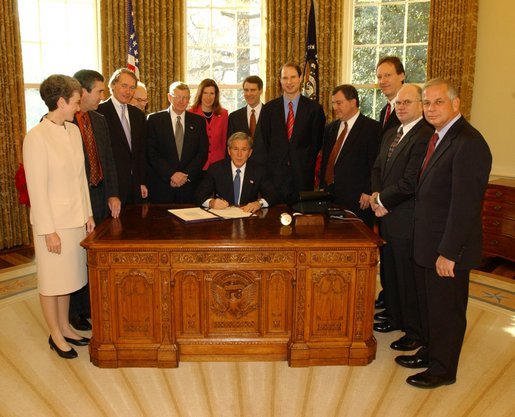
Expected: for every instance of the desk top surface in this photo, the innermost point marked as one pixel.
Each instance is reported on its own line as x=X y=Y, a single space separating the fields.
x=153 y=225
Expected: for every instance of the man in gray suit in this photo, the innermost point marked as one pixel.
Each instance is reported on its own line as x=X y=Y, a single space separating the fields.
x=100 y=170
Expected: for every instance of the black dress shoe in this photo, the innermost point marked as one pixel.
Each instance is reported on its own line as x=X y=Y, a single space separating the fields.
x=66 y=354
x=80 y=322
x=427 y=380
x=78 y=342
x=405 y=343
x=384 y=327
x=412 y=361
x=381 y=315
x=380 y=304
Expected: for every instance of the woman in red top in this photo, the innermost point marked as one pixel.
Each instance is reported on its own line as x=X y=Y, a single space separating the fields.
x=207 y=104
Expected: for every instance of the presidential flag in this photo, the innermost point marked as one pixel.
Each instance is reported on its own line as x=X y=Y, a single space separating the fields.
x=133 y=53
x=311 y=58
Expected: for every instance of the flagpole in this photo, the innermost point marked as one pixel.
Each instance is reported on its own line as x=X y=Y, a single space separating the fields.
x=132 y=42
x=311 y=86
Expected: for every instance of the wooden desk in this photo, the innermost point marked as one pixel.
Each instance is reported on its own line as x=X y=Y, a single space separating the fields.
x=246 y=289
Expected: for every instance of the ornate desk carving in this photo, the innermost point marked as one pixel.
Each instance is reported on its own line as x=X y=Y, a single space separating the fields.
x=163 y=291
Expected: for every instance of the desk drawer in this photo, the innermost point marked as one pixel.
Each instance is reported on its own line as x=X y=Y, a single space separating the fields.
x=502 y=246
x=499 y=226
x=499 y=208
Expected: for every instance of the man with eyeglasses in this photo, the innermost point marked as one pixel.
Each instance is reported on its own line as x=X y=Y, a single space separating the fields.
x=177 y=147
x=140 y=97
x=394 y=180
x=127 y=130
x=447 y=233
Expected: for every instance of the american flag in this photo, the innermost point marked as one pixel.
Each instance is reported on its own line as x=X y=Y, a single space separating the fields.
x=133 y=54
x=311 y=58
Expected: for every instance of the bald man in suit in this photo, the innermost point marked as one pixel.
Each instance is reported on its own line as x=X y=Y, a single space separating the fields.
x=394 y=180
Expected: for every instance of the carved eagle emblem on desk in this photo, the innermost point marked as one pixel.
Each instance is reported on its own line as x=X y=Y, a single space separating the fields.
x=235 y=299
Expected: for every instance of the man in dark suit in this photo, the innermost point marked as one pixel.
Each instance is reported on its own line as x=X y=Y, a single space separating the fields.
x=100 y=171
x=177 y=147
x=394 y=180
x=348 y=154
x=447 y=233
x=237 y=181
x=390 y=77
x=246 y=118
x=127 y=131
x=289 y=136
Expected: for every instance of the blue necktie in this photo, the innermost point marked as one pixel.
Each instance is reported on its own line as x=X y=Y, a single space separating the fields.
x=237 y=183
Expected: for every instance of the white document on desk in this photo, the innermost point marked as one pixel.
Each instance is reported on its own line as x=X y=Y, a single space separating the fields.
x=193 y=215
x=231 y=212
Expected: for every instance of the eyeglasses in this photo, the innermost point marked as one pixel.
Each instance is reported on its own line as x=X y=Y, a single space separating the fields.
x=141 y=100
x=405 y=102
x=437 y=103
x=181 y=98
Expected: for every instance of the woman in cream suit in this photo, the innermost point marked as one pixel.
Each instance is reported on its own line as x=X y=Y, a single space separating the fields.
x=60 y=212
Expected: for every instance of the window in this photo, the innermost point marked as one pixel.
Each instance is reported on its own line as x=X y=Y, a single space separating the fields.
x=387 y=27
x=223 y=43
x=58 y=37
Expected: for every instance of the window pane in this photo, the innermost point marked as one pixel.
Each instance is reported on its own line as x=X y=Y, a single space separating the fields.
x=391 y=50
x=392 y=24
x=57 y=36
x=223 y=29
x=35 y=107
x=223 y=43
x=199 y=65
x=366 y=102
x=416 y=58
x=418 y=22
x=365 y=25
x=363 y=65
x=223 y=66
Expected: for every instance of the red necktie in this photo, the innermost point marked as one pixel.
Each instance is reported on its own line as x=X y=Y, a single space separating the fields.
x=430 y=151
x=95 y=170
x=290 y=120
x=388 y=112
x=329 y=171
x=252 y=123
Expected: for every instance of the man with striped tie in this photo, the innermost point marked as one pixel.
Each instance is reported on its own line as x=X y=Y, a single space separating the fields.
x=394 y=179
x=289 y=136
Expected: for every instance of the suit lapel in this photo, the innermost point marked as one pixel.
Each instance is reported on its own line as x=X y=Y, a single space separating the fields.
x=117 y=122
x=442 y=147
x=168 y=133
x=397 y=151
x=351 y=139
x=228 y=182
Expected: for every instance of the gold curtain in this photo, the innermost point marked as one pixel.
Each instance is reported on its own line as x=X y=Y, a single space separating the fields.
x=451 y=50
x=160 y=27
x=14 y=224
x=286 y=41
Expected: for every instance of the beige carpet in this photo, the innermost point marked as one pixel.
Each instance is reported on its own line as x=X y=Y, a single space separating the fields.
x=35 y=382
